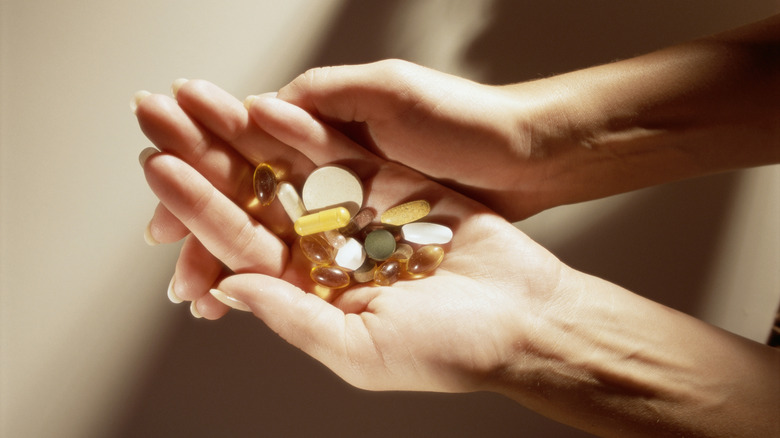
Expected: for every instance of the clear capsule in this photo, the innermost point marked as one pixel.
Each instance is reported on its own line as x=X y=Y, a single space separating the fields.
x=317 y=249
x=322 y=221
x=331 y=277
x=359 y=222
x=336 y=239
x=425 y=260
x=290 y=200
x=387 y=273
x=264 y=182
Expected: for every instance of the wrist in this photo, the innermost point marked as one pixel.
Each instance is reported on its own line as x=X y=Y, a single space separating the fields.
x=604 y=360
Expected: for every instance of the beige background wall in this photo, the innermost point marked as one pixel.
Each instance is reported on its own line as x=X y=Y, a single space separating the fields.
x=89 y=344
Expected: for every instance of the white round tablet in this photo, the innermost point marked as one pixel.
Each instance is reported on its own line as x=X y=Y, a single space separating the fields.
x=330 y=187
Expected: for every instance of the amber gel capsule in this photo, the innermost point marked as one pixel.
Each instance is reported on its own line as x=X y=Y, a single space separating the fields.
x=331 y=277
x=425 y=260
x=264 y=182
x=323 y=221
x=387 y=273
x=317 y=249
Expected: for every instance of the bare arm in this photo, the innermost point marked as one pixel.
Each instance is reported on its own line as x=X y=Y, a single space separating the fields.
x=706 y=106
x=701 y=107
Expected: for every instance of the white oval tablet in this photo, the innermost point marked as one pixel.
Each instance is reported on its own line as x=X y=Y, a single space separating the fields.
x=332 y=186
x=351 y=256
x=426 y=233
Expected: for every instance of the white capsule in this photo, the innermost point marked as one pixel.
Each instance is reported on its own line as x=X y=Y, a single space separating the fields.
x=351 y=256
x=426 y=233
x=292 y=203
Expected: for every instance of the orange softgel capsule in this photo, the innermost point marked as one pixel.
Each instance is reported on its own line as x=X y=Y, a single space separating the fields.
x=425 y=260
x=317 y=249
x=264 y=182
x=387 y=273
x=331 y=277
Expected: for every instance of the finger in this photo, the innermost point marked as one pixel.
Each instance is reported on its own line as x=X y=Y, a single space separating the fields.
x=208 y=307
x=226 y=230
x=227 y=118
x=197 y=270
x=164 y=227
x=297 y=128
x=173 y=131
x=360 y=93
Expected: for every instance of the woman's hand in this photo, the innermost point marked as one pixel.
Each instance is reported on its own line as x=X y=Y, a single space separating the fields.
x=448 y=332
x=480 y=140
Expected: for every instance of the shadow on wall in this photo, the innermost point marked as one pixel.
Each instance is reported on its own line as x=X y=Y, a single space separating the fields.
x=234 y=377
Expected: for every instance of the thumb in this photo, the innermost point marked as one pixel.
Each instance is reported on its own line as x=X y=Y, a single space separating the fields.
x=302 y=319
x=355 y=93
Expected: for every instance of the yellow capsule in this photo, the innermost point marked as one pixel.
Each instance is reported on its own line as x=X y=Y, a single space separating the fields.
x=387 y=273
x=323 y=221
x=331 y=277
x=425 y=260
x=405 y=213
x=317 y=249
x=264 y=182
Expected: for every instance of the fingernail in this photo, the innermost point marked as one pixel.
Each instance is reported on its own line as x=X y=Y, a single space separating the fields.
x=229 y=301
x=248 y=101
x=145 y=154
x=151 y=241
x=177 y=84
x=137 y=98
x=172 y=294
x=194 y=310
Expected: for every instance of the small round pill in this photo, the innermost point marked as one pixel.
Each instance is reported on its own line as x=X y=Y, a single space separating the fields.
x=379 y=244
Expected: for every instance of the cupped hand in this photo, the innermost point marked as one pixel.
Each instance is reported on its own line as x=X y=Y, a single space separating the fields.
x=451 y=331
x=487 y=142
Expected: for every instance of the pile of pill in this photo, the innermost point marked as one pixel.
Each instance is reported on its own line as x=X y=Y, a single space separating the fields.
x=340 y=237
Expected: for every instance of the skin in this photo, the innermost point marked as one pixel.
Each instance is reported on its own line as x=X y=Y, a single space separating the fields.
x=507 y=316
